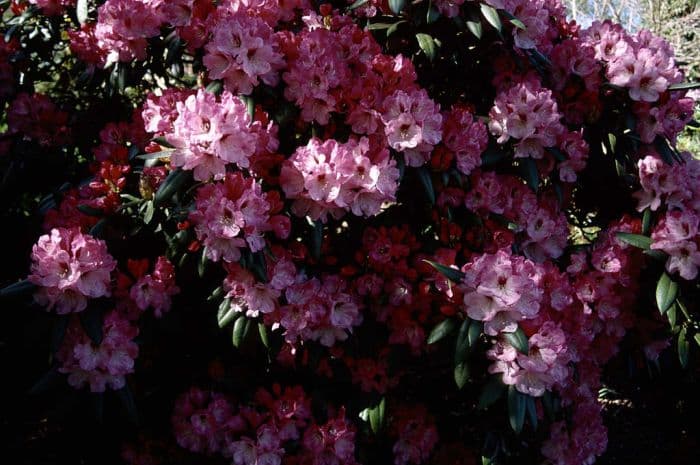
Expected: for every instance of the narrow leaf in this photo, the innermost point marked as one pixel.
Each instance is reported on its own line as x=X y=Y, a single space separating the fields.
x=636 y=240
x=262 y=330
x=377 y=416
x=646 y=222
x=461 y=374
x=91 y=321
x=396 y=6
x=684 y=86
x=18 y=288
x=357 y=4
x=518 y=339
x=683 y=348
x=530 y=173
x=516 y=409
x=226 y=313
x=441 y=330
x=491 y=16
x=240 y=330
x=491 y=393
x=452 y=274
x=427 y=182
x=462 y=342
x=531 y=411
x=81 y=11
x=475 y=28
x=474 y=332
x=175 y=180
x=427 y=44
x=666 y=292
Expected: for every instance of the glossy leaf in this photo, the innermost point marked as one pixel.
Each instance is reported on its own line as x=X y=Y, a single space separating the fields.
x=18 y=288
x=666 y=292
x=461 y=374
x=262 y=331
x=518 y=339
x=427 y=182
x=441 y=330
x=493 y=390
x=684 y=86
x=240 y=330
x=427 y=44
x=452 y=274
x=462 y=342
x=517 y=404
x=683 y=348
x=491 y=15
x=227 y=313
x=636 y=240
x=396 y=6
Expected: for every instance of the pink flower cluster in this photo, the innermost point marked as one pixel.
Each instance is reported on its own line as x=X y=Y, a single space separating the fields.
x=243 y=51
x=416 y=433
x=253 y=297
x=541 y=368
x=543 y=227
x=330 y=178
x=52 y=7
x=160 y=111
x=465 y=136
x=156 y=290
x=99 y=365
x=540 y=17
x=123 y=27
x=69 y=267
x=261 y=433
x=528 y=113
x=501 y=289
x=413 y=125
x=208 y=134
x=677 y=188
x=235 y=214
x=203 y=421
x=322 y=310
x=643 y=63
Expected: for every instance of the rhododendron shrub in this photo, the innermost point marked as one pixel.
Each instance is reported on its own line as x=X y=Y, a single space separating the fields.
x=349 y=232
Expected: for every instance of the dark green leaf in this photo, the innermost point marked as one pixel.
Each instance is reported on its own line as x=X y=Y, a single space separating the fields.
x=18 y=288
x=90 y=211
x=394 y=27
x=475 y=332
x=683 y=347
x=226 y=313
x=491 y=16
x=149 y=210
x=475 y=28
x=81 y=11
x=161 y=154
x=427 y=182
x=531 y=411
x=462 y=342
x=397 y=6
x=432 y=15
x=696 y=338
x=664 y=150
x=636 y=240
x=262 y=330
x=530 y=173
x=518 y=339
x=517 y=404
x=58 y=332
x=202 y=265
x=357 y=4
x=379 y=26
x=666 y=292
x=672 y=315
x=684 y=86
x=452 y=274
x=377 y=416
x=240 y=330
x=175 y=180
x=491 y=393
x=215 y=87
x=427 y=44
x=646 y=222
x=441 y=330
x=659 y=255
x=461 y=374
